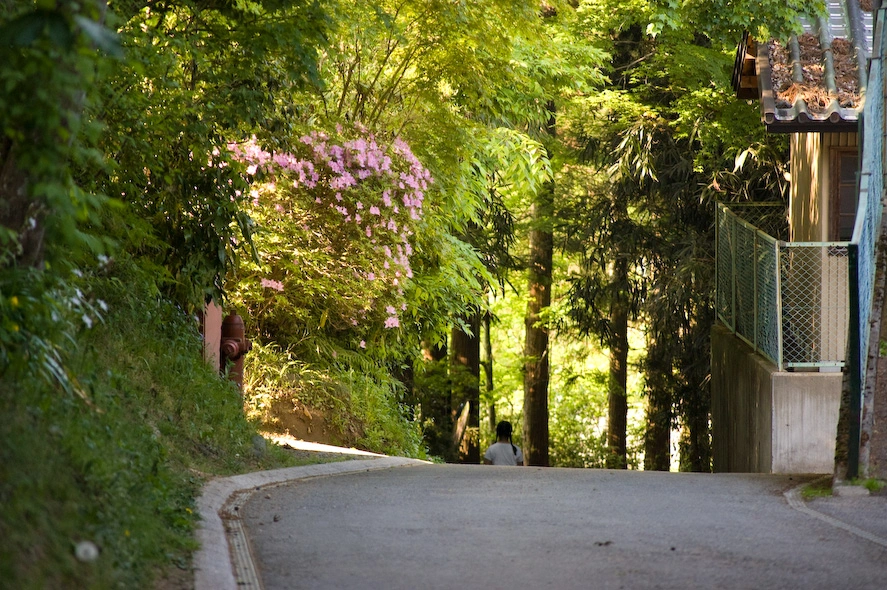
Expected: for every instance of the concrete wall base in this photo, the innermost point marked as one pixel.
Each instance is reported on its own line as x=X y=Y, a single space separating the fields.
x=767 y=421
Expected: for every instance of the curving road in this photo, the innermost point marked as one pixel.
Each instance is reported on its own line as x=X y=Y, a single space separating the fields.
x=448 y=526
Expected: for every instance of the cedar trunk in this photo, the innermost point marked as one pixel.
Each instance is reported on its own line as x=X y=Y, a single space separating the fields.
x=657 y=438
x=536 y=368
x=536 y=365
x=695 y=367
x=617 y=420
x=488 y=369
x=435 y=403
x=465 y=359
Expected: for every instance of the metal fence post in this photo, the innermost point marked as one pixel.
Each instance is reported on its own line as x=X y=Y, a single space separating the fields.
x=733 y=247
x=780 y=364
x=755 y=294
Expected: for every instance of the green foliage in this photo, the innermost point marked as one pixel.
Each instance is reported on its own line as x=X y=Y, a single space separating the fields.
x=42 y=317
x=119 y=458
x=577 y=389
x=578 y=422
x=725 y=20
x=656 y=146
x=335 y=286
x=396 y=63
x=432 y=386
x=428 y=72
x=360 y=399
x=48 y=223
x=46 y=82
x=182 y=93
x=336 y=223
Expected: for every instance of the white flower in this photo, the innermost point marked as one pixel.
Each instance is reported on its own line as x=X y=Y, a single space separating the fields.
x=87 y=320
x=86 y=551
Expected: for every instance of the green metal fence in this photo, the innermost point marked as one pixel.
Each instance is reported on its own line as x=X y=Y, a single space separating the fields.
x=788 y=300
x=863 y=344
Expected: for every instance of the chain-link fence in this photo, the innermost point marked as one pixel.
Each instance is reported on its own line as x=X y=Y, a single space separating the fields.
x=788 y=300
x=871 y=188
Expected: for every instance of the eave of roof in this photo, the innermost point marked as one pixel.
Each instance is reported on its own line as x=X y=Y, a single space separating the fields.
x=752 y=76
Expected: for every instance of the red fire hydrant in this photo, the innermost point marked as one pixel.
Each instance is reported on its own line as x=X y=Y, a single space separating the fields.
x=234 y=346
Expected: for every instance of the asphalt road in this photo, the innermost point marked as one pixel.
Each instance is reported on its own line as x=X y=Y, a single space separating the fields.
x=447 y=526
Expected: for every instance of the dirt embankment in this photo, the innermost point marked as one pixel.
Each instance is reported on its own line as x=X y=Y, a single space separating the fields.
x=310 y=424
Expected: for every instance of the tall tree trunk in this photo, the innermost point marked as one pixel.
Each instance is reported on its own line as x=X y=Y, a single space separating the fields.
x=488 y=368
x=435 y=403
x=617 y=419
x=465 y=378
x=536 y=369
x=20 y=212
x=695 y=443
x=873 y=427
x=658 y=372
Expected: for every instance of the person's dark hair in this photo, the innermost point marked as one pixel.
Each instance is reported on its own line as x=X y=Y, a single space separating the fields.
x=503 y=429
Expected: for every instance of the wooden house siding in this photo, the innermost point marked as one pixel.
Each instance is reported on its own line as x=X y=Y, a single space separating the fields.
x=811 y=183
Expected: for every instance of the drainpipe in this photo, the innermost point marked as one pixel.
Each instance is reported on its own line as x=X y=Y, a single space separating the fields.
x=854 y=361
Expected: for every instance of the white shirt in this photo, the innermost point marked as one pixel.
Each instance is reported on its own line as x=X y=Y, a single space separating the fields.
x=502 y=453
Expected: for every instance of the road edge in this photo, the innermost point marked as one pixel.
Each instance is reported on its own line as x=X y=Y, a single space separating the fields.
x=214 y=567
x=793 y=497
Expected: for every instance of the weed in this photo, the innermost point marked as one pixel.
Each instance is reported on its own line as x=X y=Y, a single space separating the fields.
x=821 y=488
x=872 y=484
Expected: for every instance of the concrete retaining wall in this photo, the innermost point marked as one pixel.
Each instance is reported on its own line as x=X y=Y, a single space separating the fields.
x=768 y=421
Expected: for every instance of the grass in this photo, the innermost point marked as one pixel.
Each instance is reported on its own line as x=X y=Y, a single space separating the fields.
x=119 y=460
x=872 y=484
x=821 y=488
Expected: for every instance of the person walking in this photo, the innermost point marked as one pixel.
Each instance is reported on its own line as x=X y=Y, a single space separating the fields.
x=503 y=451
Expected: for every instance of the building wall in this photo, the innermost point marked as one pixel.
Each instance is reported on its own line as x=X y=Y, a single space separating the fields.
x=806 y=219
x=831 y=140
x=811 y=183
x=767 y=421
x=809 y=215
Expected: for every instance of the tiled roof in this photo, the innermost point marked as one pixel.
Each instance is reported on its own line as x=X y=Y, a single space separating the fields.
x=817 y=81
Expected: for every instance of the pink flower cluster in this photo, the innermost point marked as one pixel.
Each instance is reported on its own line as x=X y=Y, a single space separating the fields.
x=378 y=190
x=272 y=284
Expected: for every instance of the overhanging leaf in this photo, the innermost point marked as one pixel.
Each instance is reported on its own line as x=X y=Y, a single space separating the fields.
x=104 y=38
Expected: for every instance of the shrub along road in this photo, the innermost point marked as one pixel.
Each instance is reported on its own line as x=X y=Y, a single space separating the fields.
x=448 y=526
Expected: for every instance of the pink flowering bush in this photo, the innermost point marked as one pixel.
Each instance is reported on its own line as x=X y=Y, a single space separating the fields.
x=336 y=219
